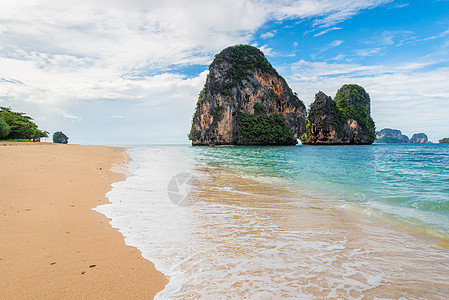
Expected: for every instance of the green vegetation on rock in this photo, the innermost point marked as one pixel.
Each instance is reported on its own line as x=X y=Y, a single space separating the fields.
x=354 y=102
x=444 y=141
x=201 y=95
x=258 y=108
x=391 y=136
x=419 y=138
x=242 y=83
x=243 y=60
x=60 y=138
x=21 y=126
x=256 y=129
x=343 y=121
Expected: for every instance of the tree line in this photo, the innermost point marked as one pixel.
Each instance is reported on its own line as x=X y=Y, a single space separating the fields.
x=17 y=125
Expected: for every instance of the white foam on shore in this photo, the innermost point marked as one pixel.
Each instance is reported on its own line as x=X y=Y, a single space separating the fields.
x=218 y=250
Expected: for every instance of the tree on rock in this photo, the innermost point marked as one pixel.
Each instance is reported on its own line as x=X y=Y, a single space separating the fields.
x=246 y=102
x=343 y=121
x=60 y=138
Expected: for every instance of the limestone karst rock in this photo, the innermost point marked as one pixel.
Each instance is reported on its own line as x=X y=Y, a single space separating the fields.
x=246 y=102
x=419 y=138
x=391 y=136
x=343 y=121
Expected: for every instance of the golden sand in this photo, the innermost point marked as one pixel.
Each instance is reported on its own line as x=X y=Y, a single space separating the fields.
x=53 y=245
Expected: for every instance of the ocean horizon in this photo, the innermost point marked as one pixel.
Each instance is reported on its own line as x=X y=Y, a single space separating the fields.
x=289 y=221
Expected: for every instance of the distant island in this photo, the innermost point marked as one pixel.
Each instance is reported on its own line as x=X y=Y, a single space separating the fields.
x=395 y=136
x=444 y=141
x=246 y=102
x=419 y=138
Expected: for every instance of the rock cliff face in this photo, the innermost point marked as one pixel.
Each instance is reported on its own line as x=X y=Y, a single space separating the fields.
x=419 y=138
x=246 y=102
x=391 y=136
x=345 y=121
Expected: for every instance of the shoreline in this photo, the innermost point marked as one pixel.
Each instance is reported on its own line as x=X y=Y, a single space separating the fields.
x=250 y=237
x=54 y=245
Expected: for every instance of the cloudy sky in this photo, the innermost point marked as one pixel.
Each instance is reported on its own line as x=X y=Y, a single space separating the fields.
x=129 y=72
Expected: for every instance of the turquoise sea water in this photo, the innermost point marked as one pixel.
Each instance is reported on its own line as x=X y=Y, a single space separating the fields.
x=407 y=182
x=303 y=222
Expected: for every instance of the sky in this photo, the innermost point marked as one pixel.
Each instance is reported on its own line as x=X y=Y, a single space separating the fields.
x=129 y=72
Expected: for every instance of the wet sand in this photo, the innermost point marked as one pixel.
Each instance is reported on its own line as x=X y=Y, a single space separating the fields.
x=52 y=244
x=339 y=252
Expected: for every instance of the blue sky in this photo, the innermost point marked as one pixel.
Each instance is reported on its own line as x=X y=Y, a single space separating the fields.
x=129 y=72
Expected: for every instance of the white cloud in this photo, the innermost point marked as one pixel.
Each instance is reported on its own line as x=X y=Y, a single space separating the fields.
x=327 y=30
x=401 y=5
x=58 y=58
x=395 y=37
x=336 y=43
x=268 y=35
x=67 y=115
x=369 y=51
x=443 y=34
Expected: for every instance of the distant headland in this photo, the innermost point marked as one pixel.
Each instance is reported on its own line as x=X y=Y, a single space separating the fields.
x=395 y=136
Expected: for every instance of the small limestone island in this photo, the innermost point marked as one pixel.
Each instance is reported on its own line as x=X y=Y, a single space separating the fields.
x=246 y=102
x=343 y=121
x=444 y=141
x=394 y=136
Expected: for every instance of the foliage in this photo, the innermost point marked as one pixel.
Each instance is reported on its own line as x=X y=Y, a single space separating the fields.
x=419 y=138
x=4 y=128
x=253 y=129
x=202 y=93
x=22 y=126
x=259 y=109
x=354 y=102
x=20 y=140
x=324 y=106
x=60 y=138
x=243 y=61
x=445 y=141
x=306 y=135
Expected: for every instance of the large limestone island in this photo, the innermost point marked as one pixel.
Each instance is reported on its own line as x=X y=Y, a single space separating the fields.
x=246 y=102
x=343 y=121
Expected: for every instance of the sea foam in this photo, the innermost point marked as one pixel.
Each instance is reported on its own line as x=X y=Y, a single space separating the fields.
x=247 y=237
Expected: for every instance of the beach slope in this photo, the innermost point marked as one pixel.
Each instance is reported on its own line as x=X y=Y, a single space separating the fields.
x=53 y=245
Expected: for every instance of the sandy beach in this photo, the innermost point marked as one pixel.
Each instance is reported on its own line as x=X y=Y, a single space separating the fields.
x=53 y=245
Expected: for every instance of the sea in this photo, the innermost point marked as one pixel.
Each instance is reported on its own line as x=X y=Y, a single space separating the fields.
x=302 y=222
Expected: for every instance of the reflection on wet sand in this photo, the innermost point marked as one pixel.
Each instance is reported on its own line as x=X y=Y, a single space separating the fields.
x=303 y=246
